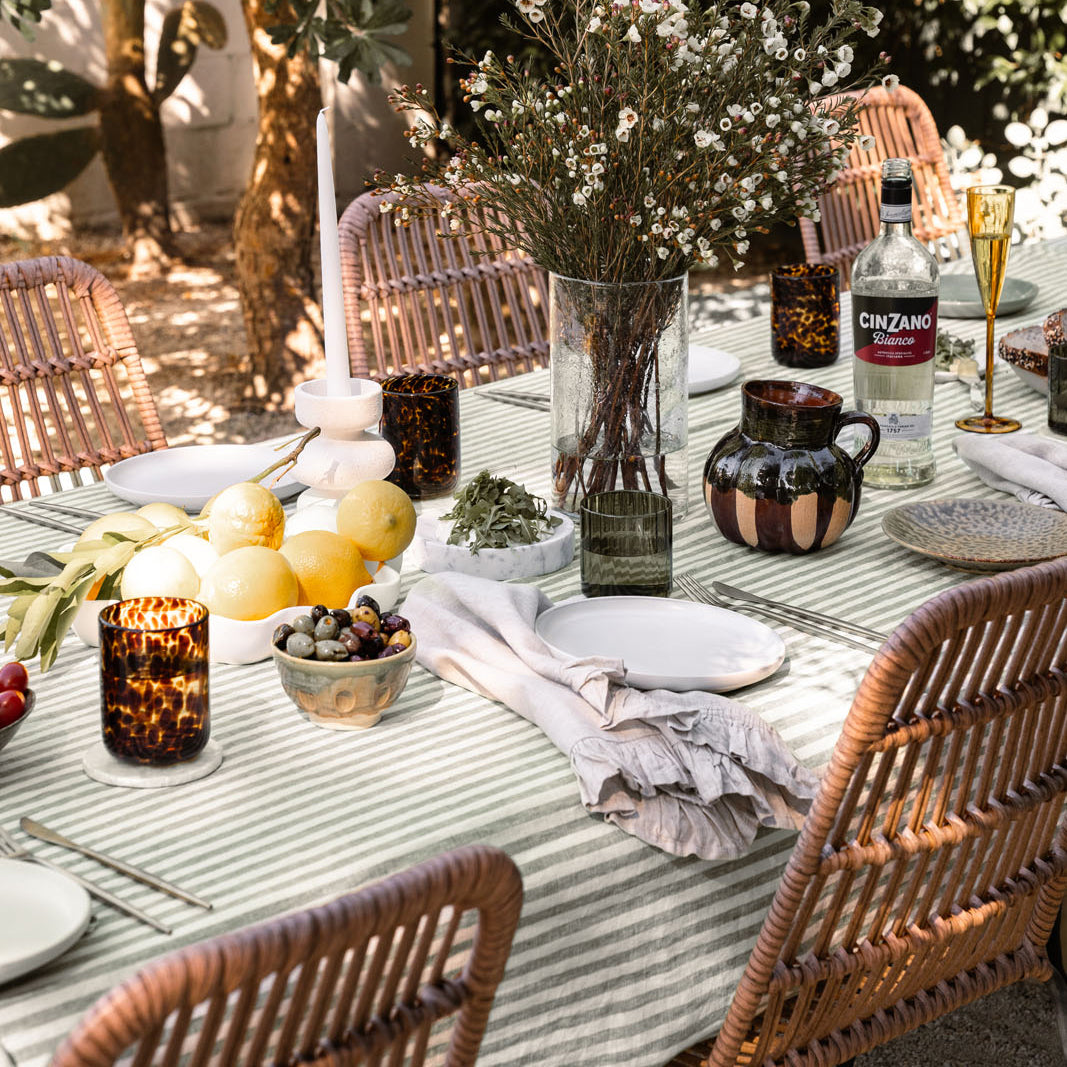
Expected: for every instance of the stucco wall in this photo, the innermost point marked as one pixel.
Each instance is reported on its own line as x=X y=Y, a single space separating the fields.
x=210 y=121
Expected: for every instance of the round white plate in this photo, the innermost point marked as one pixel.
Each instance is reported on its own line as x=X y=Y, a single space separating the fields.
x=959 y=297
x=189 y=476
x=710 y=368
x=665 y=644
x=44 y=914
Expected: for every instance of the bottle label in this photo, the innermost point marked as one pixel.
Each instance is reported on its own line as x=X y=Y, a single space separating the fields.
x=910 y=427
x=895 y=212
x=894 y=331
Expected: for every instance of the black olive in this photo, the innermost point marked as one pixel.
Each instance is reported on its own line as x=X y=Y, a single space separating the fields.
x=281 y=634
x=390 y=650
x=392 y=623
x=342 y=615
x=318 y=611
x=365 y=601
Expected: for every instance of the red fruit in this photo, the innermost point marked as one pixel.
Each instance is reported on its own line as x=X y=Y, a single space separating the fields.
x=14 y=676
x=12 y=706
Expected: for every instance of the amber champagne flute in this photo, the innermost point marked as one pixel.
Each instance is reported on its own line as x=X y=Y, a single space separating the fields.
x=990 y=211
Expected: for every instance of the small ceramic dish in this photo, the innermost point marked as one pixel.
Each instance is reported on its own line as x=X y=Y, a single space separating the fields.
x=347 y=695
x=234 y=641
x=9 y=731
x=431 y=552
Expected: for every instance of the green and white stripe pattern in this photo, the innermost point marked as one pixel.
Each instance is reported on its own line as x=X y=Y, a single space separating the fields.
x=624 y=954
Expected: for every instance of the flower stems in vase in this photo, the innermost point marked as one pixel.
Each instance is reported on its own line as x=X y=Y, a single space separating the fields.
x=619 y=388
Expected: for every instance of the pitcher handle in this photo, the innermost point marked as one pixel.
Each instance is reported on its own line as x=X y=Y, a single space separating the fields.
x=862 y=418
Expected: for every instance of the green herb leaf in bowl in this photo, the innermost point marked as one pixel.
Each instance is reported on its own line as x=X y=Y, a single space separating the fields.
x=497 y=513
x=949 y=348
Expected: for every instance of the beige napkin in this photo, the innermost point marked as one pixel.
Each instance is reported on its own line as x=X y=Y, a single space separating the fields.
x=692 y=773
x=1032 y=468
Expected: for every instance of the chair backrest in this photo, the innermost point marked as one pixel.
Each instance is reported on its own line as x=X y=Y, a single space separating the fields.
x=73 y=393
x=931 y=865
x=418 y=301
x=367 y=979
x=903 y=128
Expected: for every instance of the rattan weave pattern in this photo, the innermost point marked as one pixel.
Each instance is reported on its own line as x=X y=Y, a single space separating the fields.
x=361 y=980
x=932 y=864
x=73 y=393
x=465 y=305
x=903 y=128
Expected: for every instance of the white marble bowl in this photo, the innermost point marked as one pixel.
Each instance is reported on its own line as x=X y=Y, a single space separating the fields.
x=431 y=552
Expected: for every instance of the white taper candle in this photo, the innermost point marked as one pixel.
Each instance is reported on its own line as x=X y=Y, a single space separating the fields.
x=335 y=340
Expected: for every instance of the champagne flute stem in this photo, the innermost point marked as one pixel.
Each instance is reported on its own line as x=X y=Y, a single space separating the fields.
x=990 y=319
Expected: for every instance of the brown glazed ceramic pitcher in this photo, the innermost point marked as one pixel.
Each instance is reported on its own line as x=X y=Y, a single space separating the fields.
x=779 y=481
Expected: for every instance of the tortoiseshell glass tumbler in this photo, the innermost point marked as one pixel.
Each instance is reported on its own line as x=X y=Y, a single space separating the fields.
x=805 y=315
x=154 y=679
x=420 y=419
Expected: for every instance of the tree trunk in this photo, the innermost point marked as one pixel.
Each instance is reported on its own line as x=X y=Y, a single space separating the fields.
x=275 y=222
x=132 y=135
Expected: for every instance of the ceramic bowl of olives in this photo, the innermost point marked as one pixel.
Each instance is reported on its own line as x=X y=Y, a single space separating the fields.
x=343 y=667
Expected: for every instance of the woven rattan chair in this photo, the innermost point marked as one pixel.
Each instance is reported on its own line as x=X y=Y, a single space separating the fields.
x=903 y=128
x=382 y=975
x=932 y=864
x=416 y=301
x=73 y=393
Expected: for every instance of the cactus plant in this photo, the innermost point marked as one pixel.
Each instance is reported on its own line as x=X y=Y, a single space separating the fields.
x=35 y=167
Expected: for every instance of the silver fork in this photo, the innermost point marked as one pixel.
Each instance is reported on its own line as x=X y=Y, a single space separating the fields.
x=11 y=849
x=695 y=590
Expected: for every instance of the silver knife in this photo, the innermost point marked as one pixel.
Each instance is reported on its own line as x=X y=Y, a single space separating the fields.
x=800 y=613
x=39 y=520
x=35 y=829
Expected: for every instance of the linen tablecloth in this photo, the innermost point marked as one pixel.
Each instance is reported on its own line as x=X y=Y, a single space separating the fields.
x=623 y=954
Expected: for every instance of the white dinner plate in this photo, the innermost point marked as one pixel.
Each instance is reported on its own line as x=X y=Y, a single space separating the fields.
x=959 y=297
x=710 y=368
x=44 y=914
x=190 y=475
x=665 y=644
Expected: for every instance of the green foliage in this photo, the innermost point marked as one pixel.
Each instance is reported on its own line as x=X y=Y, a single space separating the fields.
x=22 y=12
x=33 y=87
x=38 y=166
x=184 y=30
x=35 y=167
x=353 y=33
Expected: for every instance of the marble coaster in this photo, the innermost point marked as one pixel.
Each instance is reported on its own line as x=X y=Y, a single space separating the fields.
x=100 y=765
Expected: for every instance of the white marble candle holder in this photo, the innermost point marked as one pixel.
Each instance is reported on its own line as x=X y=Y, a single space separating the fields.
x=347 y=451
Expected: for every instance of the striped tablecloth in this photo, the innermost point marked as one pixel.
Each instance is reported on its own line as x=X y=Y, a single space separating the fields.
x=624 y=953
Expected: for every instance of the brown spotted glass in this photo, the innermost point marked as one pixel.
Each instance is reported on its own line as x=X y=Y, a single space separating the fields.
x=805 y=315
x=420 y=419
x=154 y=679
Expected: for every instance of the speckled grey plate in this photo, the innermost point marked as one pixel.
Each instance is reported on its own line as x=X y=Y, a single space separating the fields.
x=959 y=297
x=979 y=535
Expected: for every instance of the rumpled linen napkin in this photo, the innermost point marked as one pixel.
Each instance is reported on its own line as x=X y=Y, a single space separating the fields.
x=691 y=773
x=1033 y=468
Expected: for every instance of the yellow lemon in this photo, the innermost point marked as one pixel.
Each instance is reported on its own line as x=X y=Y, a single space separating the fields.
x=200 y=553
x=379 y=517
x=159 y=571
x=328 y=567
x=127 y=523
x=164 y=516
x=248 y=583
x=245 y=514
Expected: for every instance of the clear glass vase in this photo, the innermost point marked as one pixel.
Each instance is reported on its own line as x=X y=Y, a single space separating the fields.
x=620 y=354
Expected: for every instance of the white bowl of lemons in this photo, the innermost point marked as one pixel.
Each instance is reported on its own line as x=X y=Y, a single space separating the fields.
x=252 y=569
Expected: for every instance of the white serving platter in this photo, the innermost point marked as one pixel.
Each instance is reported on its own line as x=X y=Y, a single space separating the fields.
x=44 y=914
x=190 y=475
x=665 y=644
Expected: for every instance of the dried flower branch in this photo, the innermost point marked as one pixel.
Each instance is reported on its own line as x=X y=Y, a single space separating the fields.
x=667 y=136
